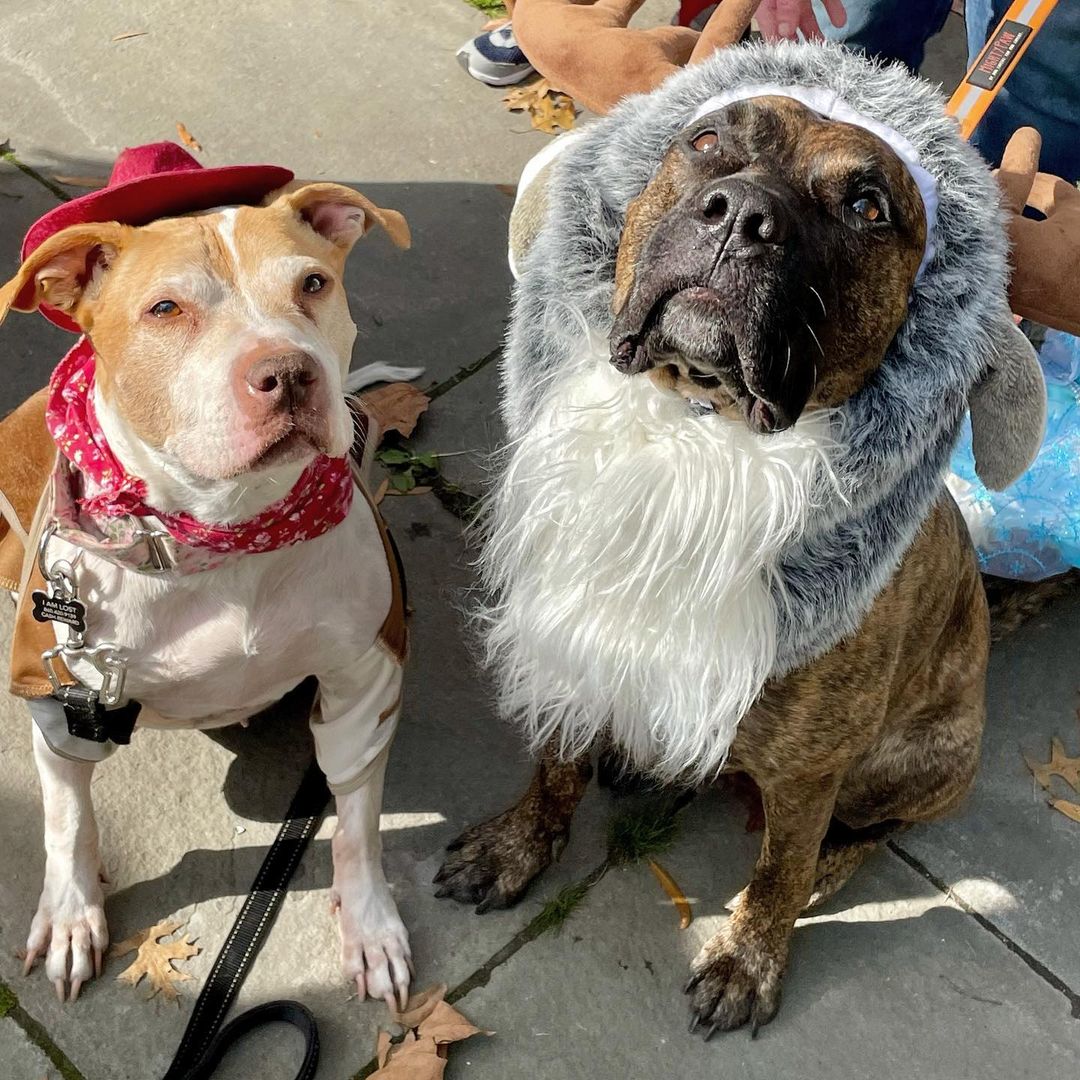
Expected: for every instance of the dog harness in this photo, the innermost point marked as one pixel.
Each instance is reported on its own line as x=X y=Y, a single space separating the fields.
x=100 y=510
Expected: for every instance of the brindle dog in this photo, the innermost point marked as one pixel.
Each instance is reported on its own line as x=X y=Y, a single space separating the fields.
x=768 y=227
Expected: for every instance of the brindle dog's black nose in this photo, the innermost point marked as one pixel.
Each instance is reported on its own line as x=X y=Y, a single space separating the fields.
x=744 y=213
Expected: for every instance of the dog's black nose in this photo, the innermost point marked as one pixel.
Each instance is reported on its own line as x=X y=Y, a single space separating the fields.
x=743 y=212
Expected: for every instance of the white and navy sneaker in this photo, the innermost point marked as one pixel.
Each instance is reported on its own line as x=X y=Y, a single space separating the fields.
x=495 y=58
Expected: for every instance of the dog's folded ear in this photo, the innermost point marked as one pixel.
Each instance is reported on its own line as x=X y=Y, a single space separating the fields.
x=1008 y=409
x=66 y=269
x=531 y=202
x=341 y=214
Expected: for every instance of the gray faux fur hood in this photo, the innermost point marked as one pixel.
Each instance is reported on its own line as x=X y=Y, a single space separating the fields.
x=958 y=342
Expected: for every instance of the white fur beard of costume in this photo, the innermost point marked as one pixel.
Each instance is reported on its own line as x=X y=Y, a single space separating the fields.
x=630 y=552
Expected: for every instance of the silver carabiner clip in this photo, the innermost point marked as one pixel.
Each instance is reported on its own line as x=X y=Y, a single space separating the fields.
x=106 y=659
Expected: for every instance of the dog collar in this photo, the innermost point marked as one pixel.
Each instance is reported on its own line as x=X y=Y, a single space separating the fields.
x=99 y=488
x=829 y=104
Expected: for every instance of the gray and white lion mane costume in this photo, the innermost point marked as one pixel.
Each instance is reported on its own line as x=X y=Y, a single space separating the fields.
x=651 y=568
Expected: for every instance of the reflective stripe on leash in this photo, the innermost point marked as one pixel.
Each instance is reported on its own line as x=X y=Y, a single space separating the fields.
x=997 y=61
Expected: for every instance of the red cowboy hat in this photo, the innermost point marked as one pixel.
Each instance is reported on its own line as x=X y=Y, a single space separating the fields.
x=147 y=183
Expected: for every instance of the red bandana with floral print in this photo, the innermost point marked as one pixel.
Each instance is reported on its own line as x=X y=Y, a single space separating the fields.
x=317 y=502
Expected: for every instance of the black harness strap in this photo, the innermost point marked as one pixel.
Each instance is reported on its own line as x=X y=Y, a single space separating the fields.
x=203 y=1045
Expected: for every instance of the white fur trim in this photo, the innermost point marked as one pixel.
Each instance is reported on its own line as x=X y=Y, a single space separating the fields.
x=379 y=372
x=531 y=170
x=632 y=555
x=829 y=103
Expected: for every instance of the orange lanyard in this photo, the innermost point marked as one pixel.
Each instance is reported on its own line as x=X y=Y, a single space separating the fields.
x=997 y=61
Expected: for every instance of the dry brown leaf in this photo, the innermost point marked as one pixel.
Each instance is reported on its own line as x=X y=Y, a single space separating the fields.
x=507 y=189
x=549 y=109
x=678 y=897
x=396 y=406
x=1069 y=809
x=130 y=34
x=155 y=958
x=552 y=113
x=1060 y=764
x=187 y=138
x=431 y=1026
x=93 y=182
x=524 y=97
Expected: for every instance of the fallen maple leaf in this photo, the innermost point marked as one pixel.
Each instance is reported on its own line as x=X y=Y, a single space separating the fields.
x=187 y=138
x=396 y=406
x=552 y=113
x=1069 y=809
x=1060 y=764
x=155 y=958
x=549 y=109
x=518 y=98
x=430 y=1027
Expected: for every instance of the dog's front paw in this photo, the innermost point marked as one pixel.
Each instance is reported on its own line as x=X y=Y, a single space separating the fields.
x=69 y=929
x=735 y=979
x=491 y=865
x=375 y=952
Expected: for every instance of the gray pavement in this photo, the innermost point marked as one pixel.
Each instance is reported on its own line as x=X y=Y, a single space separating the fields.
x=954 y=955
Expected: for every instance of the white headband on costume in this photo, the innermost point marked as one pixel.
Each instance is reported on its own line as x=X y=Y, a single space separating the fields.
x=829 y=104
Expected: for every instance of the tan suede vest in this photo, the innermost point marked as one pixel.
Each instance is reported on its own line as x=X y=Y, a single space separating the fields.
x=27 y=462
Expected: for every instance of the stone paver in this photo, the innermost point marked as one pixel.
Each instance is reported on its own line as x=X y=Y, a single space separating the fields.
x=21 y=1058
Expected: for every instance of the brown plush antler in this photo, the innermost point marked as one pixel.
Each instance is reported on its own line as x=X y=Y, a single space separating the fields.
x=1046 y=254
x=589 y=50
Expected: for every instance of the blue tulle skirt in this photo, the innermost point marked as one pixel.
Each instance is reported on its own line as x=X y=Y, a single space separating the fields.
x=1031 y=530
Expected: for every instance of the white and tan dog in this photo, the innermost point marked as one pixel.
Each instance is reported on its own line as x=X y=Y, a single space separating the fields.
x=221 y=343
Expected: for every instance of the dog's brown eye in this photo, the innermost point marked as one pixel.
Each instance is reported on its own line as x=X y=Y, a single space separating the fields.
x=314 y=283
x=705 y=142
x=867 y=207
x=165 y=309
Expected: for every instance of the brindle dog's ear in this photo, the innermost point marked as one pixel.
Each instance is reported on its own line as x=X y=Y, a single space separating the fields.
x=1008 y=409
x=531 y=202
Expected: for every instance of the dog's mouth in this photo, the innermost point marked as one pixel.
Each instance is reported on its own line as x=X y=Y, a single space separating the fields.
x=291 y=437
x=722 y=350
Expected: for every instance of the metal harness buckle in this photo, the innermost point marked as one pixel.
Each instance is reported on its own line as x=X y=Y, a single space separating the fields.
x=80 y=701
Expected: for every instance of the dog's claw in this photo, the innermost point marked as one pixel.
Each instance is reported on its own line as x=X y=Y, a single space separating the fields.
x=97 y=963
x=693 y=981
x=443 y=893
x=76 y=986
x=754 y=1025
x=59 y=985
x=711 y=1032
x=695 y=1020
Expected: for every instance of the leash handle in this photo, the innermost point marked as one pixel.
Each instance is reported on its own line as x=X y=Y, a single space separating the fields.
x=205 y=1040
x=997 y=61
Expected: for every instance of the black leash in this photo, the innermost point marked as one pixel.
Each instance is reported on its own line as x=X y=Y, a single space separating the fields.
x=204 y=1045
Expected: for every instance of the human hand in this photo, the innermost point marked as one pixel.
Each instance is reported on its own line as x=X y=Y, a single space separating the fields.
x=782 y=19
x=1045 y=254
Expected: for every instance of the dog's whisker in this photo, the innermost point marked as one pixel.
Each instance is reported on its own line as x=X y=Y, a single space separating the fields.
x=824 y=309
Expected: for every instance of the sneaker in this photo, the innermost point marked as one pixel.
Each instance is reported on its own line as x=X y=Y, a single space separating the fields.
x=494 y=58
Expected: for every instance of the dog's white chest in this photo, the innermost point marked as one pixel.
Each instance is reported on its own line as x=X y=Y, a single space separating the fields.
x=216 y=646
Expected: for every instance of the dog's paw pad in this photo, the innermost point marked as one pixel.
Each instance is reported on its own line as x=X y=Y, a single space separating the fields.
x=733 y=985
x=70 y=932
x=491 y=865
x=375 y=954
